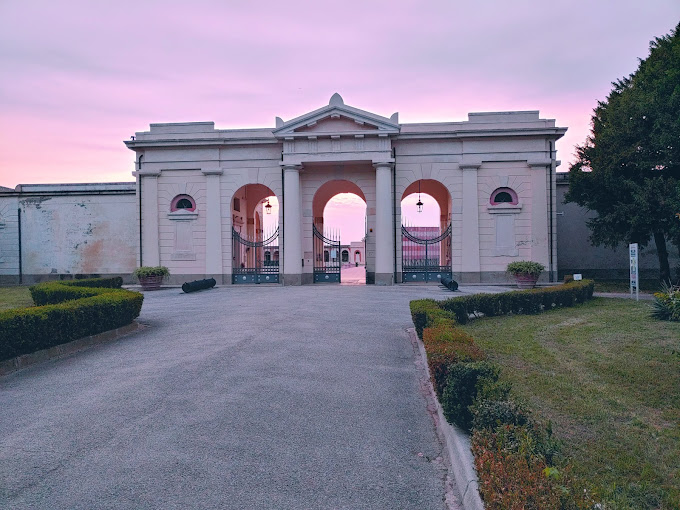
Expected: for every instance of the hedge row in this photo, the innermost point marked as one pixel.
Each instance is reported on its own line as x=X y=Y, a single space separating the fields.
x=50 y=293
x=517 y=458
x=525 y=302
x=66 y=312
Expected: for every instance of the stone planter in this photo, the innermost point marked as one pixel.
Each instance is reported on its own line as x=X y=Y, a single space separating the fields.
x=526 y=281
x=150 y=282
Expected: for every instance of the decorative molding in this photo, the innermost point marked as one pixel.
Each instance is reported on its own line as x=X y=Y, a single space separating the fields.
x=504 y=209
x=212 y=171
x=539 y=163
x=182 y=215
x=470 y=166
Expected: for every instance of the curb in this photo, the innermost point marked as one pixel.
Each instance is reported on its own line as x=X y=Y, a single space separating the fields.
x=457 y=443
x=26 y=360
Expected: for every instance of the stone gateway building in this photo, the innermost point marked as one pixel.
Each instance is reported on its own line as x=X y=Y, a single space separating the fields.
x=202 y=194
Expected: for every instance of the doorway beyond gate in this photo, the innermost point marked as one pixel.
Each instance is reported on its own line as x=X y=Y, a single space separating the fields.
x=426 y=254
x=255 y=261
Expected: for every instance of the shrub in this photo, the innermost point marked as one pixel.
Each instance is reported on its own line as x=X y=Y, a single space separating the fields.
x=65 y=312
x=666 y=304
x=513 y=475
x=426 y=313
x=144 y=271
x=520 y=267
x=462 y=386
x=445 y=346
x=490 y=414
x=523 y=302
x=59 y=291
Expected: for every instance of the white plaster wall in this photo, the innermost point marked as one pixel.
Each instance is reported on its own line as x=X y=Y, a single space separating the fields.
x=517 y=176
x=79 y=234
x=170 y=184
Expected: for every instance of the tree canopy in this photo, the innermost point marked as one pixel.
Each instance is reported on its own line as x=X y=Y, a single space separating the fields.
x=628 y=169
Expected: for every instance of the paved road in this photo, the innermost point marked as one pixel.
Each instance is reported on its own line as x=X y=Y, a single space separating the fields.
x=237 y=397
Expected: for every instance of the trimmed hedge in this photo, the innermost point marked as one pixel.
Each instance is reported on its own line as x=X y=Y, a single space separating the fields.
x=66 y=312
x=515 y=456
x=446 y=345
x=50 y=293
x=524 y=302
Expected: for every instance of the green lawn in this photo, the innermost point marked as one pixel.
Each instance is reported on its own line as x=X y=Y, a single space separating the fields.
x=14 y=297
x=646 y=286
x=608 y=377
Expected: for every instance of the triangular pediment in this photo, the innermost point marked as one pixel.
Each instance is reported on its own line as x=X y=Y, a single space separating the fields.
x=337 y=118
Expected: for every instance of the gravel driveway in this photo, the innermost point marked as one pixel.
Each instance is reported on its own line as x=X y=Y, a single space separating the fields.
x=236 y=397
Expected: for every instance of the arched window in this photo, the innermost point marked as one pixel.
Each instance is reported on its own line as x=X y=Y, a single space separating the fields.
x=345 y=256
x=504 y=196
x=357 y=256
x=183 y=203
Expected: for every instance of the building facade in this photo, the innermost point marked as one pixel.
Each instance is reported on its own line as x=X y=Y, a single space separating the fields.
x=201 y=192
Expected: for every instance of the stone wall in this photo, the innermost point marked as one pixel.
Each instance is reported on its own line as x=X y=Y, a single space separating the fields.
x=68 y=230
x=575 y=254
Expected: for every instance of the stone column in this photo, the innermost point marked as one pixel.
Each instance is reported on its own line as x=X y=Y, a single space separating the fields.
x=213 y=225
x=150 y=247
x=384 y=216
x=470 y=267
x=292 y=228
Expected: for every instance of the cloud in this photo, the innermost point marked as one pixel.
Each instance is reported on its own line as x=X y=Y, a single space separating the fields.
x=98 y=71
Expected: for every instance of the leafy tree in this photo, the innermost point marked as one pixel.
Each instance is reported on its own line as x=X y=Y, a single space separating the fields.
x=628 y=169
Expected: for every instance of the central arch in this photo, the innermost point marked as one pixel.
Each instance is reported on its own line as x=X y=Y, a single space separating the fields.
x=332 y=259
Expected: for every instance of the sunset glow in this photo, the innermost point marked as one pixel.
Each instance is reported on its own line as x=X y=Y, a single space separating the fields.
x=79 y=77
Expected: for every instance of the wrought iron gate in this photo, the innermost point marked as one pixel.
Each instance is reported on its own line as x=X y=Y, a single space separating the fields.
x=326 y=257
x=255 y=260
x=425 y=254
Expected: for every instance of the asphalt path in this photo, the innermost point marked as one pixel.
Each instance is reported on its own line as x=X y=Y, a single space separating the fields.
x=237 y=397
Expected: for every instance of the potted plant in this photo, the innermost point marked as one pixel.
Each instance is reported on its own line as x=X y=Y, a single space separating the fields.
x=526 y=273
x=151 y=277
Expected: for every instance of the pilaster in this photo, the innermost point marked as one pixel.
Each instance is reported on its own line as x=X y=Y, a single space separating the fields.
x=213 y=225
x=470 y=266
x=150 y=223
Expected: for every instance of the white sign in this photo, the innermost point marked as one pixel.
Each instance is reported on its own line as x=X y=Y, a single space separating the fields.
x=578 y=277
x=634 y=277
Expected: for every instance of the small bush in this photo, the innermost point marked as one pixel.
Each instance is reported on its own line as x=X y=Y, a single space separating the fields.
x=144 y=271
x=65 y=312
x=427 y=313
x=521 y=267
x=462 y=387
x=445 y=346
x=513 y=474
x=666 y=304
x=491 y=414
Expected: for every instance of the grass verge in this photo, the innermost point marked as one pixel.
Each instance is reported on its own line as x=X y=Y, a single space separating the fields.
x=607 y=375
x=14 y=297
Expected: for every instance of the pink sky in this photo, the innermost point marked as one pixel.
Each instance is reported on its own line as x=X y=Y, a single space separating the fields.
x=79 y=77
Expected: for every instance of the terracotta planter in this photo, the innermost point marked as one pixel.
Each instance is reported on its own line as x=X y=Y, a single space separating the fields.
x=150 y=282
x=526 y=281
